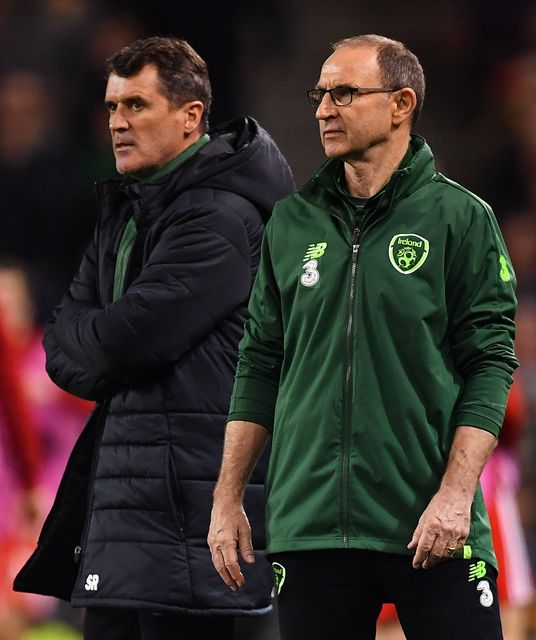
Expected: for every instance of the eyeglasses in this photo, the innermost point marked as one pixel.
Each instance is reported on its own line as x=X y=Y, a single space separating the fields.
x=341 y=96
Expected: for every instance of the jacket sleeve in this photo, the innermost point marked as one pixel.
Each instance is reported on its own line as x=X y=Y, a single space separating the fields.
x=481 y=304
x=197 y=273
x=66 y=372
x=261 y=349
x=70 y=376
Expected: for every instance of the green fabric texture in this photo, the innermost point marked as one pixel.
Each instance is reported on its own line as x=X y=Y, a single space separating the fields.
x=123 y=257
x=181 y=158
x=367 y=347
x=129 y=234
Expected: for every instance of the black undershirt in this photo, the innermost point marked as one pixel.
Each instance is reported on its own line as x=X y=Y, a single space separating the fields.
x=357 y=204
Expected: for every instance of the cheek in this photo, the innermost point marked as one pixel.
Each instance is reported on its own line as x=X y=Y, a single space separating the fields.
x=356 y=129
x=148 y=145
x=365 y=126
x=158 y=140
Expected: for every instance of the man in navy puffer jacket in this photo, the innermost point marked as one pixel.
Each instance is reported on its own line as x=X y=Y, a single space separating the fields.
x=149 y=329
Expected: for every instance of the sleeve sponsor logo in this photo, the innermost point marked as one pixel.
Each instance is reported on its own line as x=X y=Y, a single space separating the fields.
x=504 y=271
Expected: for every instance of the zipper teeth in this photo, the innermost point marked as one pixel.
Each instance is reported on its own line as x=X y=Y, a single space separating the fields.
x=356 y=239
x=348 y=394
x=81 y=548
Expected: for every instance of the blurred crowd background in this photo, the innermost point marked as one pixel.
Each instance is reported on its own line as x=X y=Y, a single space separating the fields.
x=479 y=117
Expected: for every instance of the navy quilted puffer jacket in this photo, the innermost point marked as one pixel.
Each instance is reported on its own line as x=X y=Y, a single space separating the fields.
x=129 y=524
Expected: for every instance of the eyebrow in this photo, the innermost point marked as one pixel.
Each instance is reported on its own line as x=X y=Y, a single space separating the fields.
x=337 y=86
x=128 y=100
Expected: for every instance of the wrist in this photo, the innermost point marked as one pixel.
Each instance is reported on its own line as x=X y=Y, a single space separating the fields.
x=458 y=489
x=228 y=495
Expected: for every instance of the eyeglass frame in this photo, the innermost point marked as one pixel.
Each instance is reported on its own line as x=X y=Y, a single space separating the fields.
x=357 y=90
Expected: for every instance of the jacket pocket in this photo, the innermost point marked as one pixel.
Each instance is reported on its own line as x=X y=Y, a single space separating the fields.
x=173 y=494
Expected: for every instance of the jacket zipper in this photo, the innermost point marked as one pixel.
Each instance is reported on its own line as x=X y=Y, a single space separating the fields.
x=79 y=548
x=77 y=552
x=356 y=241
x=348 y=391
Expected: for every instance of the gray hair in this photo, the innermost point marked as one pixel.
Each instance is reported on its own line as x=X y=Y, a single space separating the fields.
x=399 y=67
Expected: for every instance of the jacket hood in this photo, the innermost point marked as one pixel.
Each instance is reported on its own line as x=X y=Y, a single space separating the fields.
x=240 y=158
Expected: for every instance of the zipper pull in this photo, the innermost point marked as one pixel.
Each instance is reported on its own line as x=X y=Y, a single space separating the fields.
x=77 y=553
x=355 y=243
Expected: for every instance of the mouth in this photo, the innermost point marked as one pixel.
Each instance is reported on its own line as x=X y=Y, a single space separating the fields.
x=123 y=146
x=329 y=133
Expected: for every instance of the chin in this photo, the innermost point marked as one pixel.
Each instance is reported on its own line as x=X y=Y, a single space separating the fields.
x=333 y=152
x=134 y=170
x=128 y=164
x=124 y=168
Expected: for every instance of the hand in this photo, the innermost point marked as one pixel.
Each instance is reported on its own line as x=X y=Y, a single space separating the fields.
x=229 y=529
x=443 y=526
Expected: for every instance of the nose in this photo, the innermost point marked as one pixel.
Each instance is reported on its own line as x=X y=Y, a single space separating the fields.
x=117 y=121
x=326 y=109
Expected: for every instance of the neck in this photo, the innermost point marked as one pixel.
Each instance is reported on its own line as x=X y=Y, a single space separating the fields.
x=369 y=173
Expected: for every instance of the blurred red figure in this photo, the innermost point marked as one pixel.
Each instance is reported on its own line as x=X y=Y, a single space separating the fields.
x=500 y=484
x=19 y=459
x=19 y=455
x=39 y=424
x=57 y=415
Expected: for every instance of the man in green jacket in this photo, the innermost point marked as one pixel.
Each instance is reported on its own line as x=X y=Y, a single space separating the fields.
x=378 y=356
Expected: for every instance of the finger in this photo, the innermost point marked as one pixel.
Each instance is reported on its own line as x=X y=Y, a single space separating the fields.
x=454 y=548
x=230 y=560
x=451 y=546
x=435 y=554
x=219 y=563
x=449 y=534
x=416 y=535
x=415 y=538
x=424 y=545
x=445 y=540
x=224 y=556
x=246 y=545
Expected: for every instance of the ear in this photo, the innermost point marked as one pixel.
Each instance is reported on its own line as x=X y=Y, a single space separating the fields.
x=192 y=112
x=404 y=104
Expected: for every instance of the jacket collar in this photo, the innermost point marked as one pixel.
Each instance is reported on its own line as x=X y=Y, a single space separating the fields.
x=416 y=170
x=181 y=158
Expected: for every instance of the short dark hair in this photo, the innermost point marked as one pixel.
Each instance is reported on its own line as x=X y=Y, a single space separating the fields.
x=399 y=67
x=182 y=71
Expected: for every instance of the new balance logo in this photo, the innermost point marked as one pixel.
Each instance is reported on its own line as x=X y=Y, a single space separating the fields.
x=477 y=570
x=315 y=251
x=92 y=582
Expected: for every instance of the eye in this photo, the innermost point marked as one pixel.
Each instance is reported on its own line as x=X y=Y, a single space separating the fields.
x=111 y=107
x=341 y=95
x=136 y=105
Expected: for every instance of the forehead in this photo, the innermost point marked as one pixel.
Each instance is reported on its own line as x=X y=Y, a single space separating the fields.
x=351 y=66
x=144 y=84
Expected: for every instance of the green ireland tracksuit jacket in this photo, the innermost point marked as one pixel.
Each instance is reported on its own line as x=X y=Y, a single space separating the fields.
x=367 y=347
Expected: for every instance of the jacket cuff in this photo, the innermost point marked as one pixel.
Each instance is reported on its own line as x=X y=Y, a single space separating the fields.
x=254 y=397
x=263 y=419
x=468 y=419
